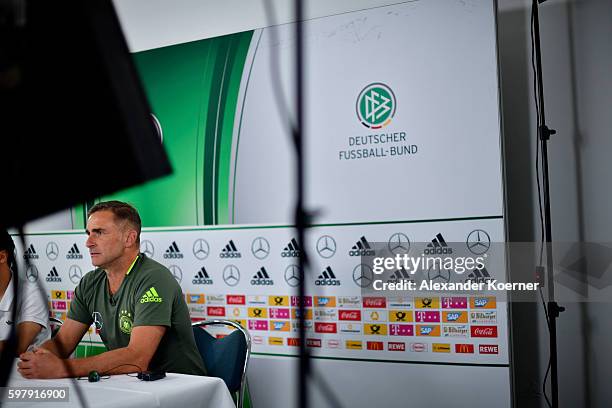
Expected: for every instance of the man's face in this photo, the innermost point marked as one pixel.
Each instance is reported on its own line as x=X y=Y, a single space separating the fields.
x=107 y=238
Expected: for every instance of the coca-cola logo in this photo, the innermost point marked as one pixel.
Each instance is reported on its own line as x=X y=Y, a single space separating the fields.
x=235 y=300
x=325 y=327
x=484 y=331
x=353 y=315
x=216 y=311
x=374 y=302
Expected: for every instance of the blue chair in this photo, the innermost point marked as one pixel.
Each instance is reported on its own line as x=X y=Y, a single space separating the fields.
x=227 y=357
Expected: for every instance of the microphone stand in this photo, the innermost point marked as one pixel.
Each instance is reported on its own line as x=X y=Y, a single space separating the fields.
x=544 y=134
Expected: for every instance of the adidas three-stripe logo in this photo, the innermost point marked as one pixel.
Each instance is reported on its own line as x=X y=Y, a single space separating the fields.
x=173 y=252
x=361 y=248
x=400 y=275
x=53 y=276
x=151 y=296
x=292 y=250
x=202 y=278
x=230 y=251
x=30 y=253
x=262 y=278
x=438 y=246
x=327 y=278
x=74 y=253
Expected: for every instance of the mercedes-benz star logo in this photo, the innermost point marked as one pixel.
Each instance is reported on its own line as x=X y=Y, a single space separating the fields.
x=363 y=275
x=201 y=249
x=147 y=248
x=231 y=275
x=478 y=242
x=293 y=276
x=399 y=243
x=436 y=274
x=260 y=247
x=75 y=274
x=32 y=273
x=176 y=272
x=52 y=251
x=326 y=246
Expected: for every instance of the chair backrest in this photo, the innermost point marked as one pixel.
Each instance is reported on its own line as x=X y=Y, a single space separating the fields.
x=56 y=322
x=226 y=357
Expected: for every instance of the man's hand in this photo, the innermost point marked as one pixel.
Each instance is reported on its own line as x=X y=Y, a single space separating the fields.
x=41 y=363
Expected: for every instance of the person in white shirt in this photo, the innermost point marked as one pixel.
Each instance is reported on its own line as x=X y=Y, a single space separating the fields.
x=32 y=316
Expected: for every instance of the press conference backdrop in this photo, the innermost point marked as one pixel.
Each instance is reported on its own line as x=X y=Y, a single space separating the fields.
x=403 y=145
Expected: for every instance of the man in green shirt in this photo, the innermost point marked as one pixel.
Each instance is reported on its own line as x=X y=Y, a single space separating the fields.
x=135 y=303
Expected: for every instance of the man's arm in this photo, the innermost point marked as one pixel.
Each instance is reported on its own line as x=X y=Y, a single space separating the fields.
x=144 y=341
x=26 y=333
x=66 y=339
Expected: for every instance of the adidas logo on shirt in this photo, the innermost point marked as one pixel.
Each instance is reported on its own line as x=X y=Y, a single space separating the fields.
x=327 y=278
x=262 y=278
x=151 y=296
x=438 y=246
x=74 y=253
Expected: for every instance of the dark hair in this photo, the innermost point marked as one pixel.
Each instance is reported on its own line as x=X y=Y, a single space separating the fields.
x=122 y=211
x=7 y=244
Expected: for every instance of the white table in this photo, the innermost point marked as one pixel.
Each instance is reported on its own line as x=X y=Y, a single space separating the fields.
x=118 y=391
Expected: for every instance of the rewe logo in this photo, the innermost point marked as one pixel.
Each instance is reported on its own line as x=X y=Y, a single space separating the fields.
x=230 y=251
x=202 y=278
x=376 y=105
x=327 y=278
x=262 y=278
x=30 y=253
x=438 y=246
x=173 y=252
x=53 y=276
x=361 y=248
x=292 y=250
x=74 y=253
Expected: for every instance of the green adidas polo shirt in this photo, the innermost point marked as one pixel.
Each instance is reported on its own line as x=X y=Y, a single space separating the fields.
x=148 y=296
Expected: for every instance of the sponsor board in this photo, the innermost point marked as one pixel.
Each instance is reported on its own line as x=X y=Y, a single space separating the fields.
x=455 y=331
x=332 y=343
x=325 y=314
x=484 y=331
x=483 y=302
x=375 y=345
x=257 y=300
x=455 y=316
x=295 y=313
x=400 y=316
x=295 y=301
x=401 y=330
x=258 y=312
x=257 y=339
x=58 y=305
x=325 y=327
x=351 y=328
x=313 y=343
x=195 y=298
x=279 y=313
x=279 y=325
x=427 y=303
x=293 y=341
x=275 y=341
x=375 y=329
x=454 y=302
x=295 y=326
x=374 y=316
x=197 y=309
x=374 y=302
x=400 y=302
x=396 y=346
x=58 y=294
x=427 y=317
x=215 y=311
x=236 y=312
x=350 y=315
x=215 y=299
x=325 y=301
x=428 y=330
x=349 y=301
x=278 y=300
x=488 y=349
x=241 y=322
x=464 y=348
x=236 y=299
x=418 y=347
x=483 y=317
x=353 y=344
x=441 y=348
x=258 y=325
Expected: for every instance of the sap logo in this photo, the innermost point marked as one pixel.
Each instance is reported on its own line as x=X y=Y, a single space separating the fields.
x=323 y=301
x=426 y=330
x=453 y=317
x=480 y=302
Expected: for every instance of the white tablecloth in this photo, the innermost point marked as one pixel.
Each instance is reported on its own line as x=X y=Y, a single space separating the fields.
x=118 y=391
